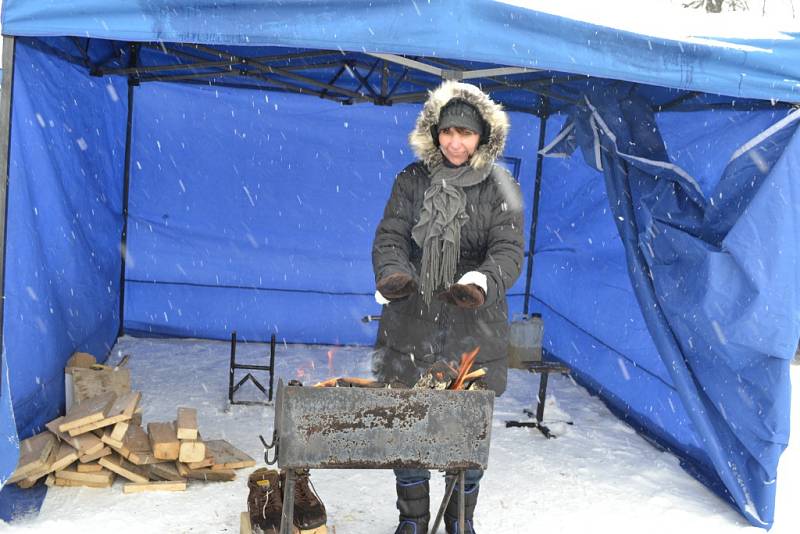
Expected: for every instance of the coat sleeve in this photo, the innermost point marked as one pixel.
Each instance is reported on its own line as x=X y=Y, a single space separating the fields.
x=391 y=249
x=506 y=245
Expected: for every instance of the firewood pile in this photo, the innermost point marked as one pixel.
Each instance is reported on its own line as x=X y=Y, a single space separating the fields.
x=102 y=437
x=441 y=375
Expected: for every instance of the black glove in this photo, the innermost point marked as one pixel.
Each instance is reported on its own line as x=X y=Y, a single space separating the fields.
x=467 y=296
x=396 y=286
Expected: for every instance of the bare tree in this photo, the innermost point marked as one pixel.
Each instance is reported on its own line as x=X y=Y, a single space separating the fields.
x=716 y=6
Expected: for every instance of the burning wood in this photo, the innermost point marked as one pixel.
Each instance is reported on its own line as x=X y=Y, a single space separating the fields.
x=467 y=359
x=438 y=376
x=349 y=382
x=441 y=375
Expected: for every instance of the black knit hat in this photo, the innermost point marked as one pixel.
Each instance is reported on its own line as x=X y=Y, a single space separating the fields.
x=461 y=114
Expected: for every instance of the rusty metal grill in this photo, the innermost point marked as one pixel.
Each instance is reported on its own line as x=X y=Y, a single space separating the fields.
x=362 y=428
x=369 y=428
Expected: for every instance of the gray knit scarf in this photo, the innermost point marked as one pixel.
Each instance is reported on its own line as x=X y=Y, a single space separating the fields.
x=438 y=231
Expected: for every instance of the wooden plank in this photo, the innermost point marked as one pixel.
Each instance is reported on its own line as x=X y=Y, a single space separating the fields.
x=79 y=359
x=61 y=457
x=187 y=424
x=34 y=454
x=99 y=477
x=122 y=409
x=66 y=456
x=244 y=523
x=166 y=471
x=125 y=469
x=86 y=444
x=104 y=481
x=207 y=475
x=118 y=432
x=136 y=447
x=105 y=451
x=88 y=383
x=137 y=418
x=28 y=483
x=226 y=456
x=88 y=411
x=164 y=440
x=208 y=461
x=164 y=485
x=47 y=467
x=91 y=467
x=191 y=451
x=106 y=438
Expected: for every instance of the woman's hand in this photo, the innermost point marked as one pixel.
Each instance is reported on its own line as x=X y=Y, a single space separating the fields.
x=396 y=286
x=467 y=296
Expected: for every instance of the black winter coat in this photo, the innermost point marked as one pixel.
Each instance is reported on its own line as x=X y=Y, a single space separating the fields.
x=413 y=335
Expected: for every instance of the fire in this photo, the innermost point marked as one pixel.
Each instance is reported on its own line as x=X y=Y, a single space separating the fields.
x=467 y=359
x=331 y=354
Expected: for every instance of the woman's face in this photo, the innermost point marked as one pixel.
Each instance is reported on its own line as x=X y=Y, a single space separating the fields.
x=458 y=144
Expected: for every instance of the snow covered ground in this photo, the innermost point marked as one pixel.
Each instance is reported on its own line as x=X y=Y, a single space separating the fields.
x=598 y=476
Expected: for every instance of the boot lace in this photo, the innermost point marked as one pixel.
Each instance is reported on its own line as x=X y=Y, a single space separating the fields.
x=306 y=492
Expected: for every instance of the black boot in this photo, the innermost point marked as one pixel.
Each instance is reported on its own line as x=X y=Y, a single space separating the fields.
x=413 y=501
x=309 y=512
x=264 y=501
x=451 y=512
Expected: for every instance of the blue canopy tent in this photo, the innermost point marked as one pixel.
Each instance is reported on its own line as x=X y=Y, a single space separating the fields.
x=190 y=168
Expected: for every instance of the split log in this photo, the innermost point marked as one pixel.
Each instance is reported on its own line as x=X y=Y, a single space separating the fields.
x=192 y=451
x=136 y=447
x=164 y=441
x=187 y=423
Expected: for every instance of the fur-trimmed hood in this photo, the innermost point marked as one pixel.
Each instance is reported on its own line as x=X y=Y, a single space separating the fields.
x=420 y=138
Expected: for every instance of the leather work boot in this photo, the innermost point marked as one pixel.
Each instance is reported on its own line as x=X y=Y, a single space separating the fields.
x=413 y=502
x=451 y=512
x=265 y=501
x=309 y=512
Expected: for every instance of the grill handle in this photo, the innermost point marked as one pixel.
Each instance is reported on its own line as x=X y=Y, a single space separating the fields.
x=273 y=446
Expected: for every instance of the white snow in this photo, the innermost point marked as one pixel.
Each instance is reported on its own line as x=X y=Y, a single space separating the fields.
x=597 y=476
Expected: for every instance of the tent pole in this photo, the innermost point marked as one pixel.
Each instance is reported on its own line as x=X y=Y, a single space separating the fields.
x=5 y=150
x=132 y=83
x=537 y=190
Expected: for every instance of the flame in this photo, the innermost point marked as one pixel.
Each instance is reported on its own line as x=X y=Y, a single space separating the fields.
x=331 y=354
x=467 y=359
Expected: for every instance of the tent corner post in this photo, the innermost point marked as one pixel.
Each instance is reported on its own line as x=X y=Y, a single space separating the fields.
x=537 y=190
x=133 y=82
x=6 y=98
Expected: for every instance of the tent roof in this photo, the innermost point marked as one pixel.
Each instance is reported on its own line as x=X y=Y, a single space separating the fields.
x=496 y=33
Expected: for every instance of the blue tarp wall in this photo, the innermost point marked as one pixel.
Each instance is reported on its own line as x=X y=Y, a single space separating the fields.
x=255 y=212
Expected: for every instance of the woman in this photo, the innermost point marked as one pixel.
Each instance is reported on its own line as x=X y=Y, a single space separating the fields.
x=449 y=246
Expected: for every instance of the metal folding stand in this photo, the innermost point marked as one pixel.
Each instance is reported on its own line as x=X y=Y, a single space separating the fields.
x=544 y=368
x=232 y=388
x=448 y=492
